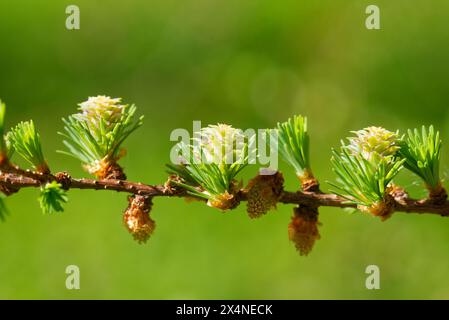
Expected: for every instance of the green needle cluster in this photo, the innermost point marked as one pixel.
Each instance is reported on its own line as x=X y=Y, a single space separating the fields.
x=421 y=150
x=293 y=144
x=52 y=198
x=26 y=141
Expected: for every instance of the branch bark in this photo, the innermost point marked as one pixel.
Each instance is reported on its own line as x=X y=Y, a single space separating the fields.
x=15 y=179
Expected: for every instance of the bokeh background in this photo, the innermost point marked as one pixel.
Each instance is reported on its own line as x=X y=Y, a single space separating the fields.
x=250 y=64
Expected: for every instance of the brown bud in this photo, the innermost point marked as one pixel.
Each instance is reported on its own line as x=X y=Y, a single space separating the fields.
x=263 y=194
x=114 y=171
x=308 y=182
x=64 y=179
x=225 y=201
x=438 y=194
x=398 y=193
x=43 y=168
x=137 y=218
x=303 y=229
x=106 y=169
x=171 y=186
x=382 y=209
x=228 y=200
x=4 y=161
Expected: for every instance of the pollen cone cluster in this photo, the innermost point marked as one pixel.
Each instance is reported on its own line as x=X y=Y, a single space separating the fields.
x=137 y=218
x=263 y=194
x=303 y=229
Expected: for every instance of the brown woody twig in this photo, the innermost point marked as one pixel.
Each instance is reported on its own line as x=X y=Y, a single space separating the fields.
x=15 y=178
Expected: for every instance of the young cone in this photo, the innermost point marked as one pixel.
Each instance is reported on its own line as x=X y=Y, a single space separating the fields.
x=137 y=218
x=96 y=133
x=211 y=163
x=263 y=194
x=303 y=229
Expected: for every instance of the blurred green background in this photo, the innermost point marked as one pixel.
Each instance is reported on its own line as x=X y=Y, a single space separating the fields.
x=250 y=64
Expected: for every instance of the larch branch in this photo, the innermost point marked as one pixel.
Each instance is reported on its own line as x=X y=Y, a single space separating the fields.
x=15 y=178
